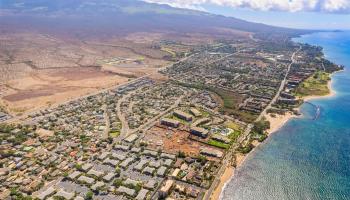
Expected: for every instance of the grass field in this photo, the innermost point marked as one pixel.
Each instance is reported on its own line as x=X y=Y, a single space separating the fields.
x=315 y=85
x=218 y=144
x=233 y=125
x=114 y=134
x=234 y=135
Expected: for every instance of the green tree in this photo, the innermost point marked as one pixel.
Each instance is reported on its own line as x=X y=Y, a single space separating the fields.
x=89 y=195
x=261 y=126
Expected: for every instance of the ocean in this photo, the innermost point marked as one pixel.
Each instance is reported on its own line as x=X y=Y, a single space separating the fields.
x=307 y=159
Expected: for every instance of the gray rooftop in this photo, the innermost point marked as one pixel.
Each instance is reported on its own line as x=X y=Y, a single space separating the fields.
x=74 y=175
x=66 y=195
x=149 y=170
x=126 y=190
x=142 y=194
x=49 y=191
x=87 y=180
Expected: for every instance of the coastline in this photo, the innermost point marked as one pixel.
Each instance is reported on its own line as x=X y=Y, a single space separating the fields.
x=276 y=123
x=227 y=176
x=331 y=93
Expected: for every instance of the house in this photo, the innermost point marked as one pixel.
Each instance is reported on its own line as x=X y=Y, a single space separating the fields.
x=48 y=192
x=168 y=162
x=149 y=170
x=154 y=164
x=182 y=115
x=95 y=173
x=130 y=182
x=127 y=191
x=142 y=194
x=195 y=112
x=151 y=184
x=201 y=122
x=164 y=191
x=65 y=195
x=287 y=101
x=180 y=188
x=2 y=115
x=178 y=163
x=86 y=167
x=78 y=198
x=169 y=156
x=97 y=186
x=170 y=122
x=111 y=162
x=136 y=150
x=103 y=155
x=192 y=192
x=221 y=138
x=287 y=95
x=108 y=177
x=127 y=162
x=161 y=171
x=132 y=138
x=118 y=156
x=197 y=131
x=175 y=172
x=87 y=180
x=211 y=152
x=121 y=147
x=140 y=165
x=150 y=153
x=74 y=175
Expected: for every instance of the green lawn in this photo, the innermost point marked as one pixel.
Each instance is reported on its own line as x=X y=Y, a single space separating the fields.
x=232 y=125
x=114 y=134
x=218 y=144
x=315 y=85
x=234 y=135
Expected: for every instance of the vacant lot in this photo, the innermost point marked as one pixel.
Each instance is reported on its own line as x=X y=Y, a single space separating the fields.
x=173 y=141
x=38 y=70
x=44 y=88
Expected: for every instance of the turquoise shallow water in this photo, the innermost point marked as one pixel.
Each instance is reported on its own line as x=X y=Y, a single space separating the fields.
x=307 y=158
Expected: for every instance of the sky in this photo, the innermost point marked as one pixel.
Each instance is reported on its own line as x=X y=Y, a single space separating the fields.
x=307 y=14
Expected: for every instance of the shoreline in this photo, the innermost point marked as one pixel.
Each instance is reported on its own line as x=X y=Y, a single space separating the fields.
x=331 y=93
x=276 y=123
x=227 y=176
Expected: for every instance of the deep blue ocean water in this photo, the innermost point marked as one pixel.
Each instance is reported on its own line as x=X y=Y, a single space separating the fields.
x=307 y=159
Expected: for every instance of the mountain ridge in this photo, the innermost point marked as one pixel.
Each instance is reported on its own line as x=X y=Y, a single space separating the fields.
x=133 y=15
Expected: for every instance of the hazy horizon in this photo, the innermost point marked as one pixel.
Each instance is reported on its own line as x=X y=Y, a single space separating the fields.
x=322 y=15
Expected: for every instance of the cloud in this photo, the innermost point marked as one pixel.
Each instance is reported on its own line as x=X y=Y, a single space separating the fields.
x=327 y=6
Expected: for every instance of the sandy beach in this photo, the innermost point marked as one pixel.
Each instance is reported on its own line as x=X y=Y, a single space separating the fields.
x=225 y=178
x=278 y=121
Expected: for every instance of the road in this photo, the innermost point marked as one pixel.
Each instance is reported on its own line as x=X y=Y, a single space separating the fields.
x=246 y=133
x=125 y=125
x=107 y=121
x=283 y=83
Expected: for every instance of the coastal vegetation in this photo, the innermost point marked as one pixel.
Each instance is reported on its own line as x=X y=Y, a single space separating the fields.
x=261 y=126
x=315 y=85
x=245 y=149
x=259 y=130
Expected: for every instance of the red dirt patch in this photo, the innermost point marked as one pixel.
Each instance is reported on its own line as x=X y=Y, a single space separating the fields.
x=173 y=141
